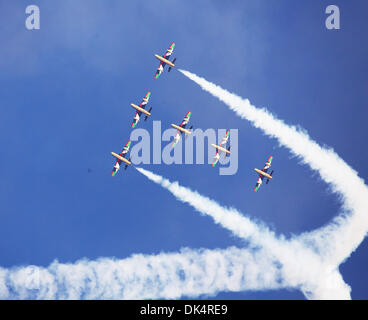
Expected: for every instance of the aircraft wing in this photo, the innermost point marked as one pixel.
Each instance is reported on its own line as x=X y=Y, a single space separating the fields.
x=267 y=165
x=176 y=138
x=169 y=51
x=216 y=158
x=269 y=160
x=225 y=138
x=186 y=120
x=136 y=119
x=159 y=70
x=258 y=185
x=145 y=100
x=142 y=105
x=122 y=154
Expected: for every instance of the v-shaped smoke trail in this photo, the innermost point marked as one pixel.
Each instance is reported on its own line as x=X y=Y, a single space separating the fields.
x=322 y=250
x=308 y=262
x=302 y=267
x=338 y=239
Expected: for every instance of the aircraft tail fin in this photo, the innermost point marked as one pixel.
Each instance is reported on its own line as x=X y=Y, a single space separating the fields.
x=168 y=70
x=146 y=117
x=228 y=149
x=186 y=135
x=126 y=166
x=268 y=180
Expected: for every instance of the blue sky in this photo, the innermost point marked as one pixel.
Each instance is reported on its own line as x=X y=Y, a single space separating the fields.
x=66 y=91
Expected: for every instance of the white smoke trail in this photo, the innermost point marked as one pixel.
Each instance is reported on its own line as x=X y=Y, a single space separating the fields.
x=189 y=273
x=303 y=267
x=229 y=218
x=270 y=263
x=337 y=240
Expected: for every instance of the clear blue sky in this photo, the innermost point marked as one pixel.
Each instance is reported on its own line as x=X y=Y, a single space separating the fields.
x=64 y=105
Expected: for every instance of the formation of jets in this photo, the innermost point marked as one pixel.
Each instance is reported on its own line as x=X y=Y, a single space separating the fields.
x=141 y=109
